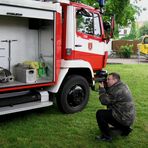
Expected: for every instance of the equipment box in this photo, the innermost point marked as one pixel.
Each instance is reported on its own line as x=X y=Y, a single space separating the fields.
x=25 y=75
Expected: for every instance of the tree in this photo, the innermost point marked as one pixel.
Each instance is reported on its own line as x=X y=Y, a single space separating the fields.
x=143 y=30
x=134 y=33
x=124 y=11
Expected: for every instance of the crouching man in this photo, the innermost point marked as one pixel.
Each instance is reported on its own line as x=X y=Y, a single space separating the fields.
x=120 y=112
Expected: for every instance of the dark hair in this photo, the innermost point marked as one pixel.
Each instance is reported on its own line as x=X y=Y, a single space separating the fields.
x=115 y=76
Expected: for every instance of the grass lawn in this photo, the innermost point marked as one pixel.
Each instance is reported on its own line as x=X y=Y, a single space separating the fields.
x=48 y=128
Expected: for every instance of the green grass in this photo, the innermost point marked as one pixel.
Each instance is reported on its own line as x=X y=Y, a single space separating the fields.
x=48 y=128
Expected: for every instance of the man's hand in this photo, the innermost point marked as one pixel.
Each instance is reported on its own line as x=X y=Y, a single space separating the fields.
x=101 y=85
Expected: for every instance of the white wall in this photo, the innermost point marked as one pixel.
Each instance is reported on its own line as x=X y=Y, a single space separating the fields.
x=26 y=46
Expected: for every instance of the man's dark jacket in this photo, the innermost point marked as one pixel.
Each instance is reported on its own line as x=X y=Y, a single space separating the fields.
x=118 y=98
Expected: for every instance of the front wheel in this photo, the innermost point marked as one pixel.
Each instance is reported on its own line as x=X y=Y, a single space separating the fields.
x=73 y=94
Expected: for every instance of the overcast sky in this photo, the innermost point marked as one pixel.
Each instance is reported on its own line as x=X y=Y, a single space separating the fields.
x=142 y=4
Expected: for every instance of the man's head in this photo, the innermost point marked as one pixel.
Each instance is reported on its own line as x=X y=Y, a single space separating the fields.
x=112 y=79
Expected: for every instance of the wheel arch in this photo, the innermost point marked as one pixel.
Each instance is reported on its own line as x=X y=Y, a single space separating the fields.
x=84 y=72
x=76 y=67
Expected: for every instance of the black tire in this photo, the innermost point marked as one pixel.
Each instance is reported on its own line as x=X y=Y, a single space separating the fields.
x=73 y=95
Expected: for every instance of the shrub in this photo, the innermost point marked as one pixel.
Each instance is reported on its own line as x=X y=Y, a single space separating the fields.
x=125 y=51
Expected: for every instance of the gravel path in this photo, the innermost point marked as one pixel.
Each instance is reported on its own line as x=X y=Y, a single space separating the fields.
x=127 y=61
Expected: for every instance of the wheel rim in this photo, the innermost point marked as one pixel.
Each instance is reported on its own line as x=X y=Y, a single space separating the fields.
x=76 y=96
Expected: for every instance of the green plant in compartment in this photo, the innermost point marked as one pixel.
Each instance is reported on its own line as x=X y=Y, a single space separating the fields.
x=41 y=70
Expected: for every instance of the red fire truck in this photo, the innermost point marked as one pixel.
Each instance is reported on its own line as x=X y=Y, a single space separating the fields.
x=49 y=51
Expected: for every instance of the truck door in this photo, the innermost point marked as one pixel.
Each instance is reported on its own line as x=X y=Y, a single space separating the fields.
x=89 y=45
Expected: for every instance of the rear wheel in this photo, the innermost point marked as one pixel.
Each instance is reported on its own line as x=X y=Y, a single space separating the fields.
x=74 y=94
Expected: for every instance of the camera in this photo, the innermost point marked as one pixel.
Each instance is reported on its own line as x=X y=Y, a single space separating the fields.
x=100 y=80
x=101 y=76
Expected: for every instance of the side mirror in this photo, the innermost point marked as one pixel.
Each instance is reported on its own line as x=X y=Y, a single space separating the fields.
x=109 y=28
x=112 y=26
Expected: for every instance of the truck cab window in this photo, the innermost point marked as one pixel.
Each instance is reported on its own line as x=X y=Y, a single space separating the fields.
x=88 y=23
x=84 y=22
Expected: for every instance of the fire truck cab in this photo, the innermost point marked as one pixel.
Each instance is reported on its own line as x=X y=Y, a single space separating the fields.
x=49 y=50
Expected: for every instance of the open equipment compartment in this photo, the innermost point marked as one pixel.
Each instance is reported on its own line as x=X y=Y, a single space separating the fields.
x=26 y=46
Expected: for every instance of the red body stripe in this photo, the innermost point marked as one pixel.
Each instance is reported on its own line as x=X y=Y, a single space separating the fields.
x=96 y=61
x=25 y=87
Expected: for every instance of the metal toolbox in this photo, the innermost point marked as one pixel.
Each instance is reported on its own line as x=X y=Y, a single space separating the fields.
x=25 y=74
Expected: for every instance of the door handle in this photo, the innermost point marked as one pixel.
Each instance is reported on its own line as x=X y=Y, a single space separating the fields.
x=78 y=45
x=14 y=14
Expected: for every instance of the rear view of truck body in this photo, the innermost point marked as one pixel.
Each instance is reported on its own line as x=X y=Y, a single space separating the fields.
x=27 y=45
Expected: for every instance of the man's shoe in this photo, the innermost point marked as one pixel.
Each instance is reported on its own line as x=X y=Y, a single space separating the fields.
x=126 y=132
x=104 y=138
